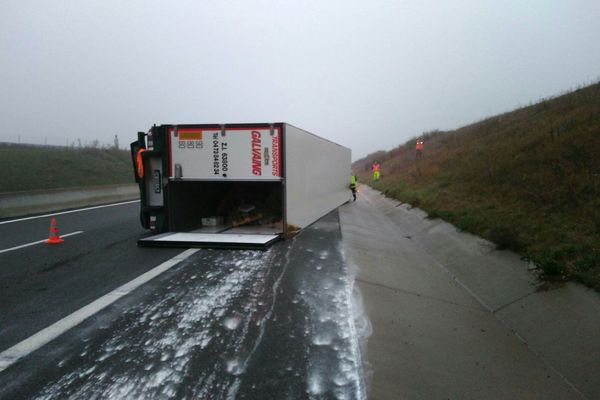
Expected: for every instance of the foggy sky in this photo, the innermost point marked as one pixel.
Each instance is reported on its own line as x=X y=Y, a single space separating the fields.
x=366 y=74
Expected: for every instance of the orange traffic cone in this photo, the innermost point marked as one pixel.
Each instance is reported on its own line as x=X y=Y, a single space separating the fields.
x=54 y=237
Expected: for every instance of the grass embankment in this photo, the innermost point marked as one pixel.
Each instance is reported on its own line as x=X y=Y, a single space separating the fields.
x=528 y=180
x=30 y=168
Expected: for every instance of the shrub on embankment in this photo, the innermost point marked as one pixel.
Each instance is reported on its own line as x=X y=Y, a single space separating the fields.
x=27 y=168
x=528 y=180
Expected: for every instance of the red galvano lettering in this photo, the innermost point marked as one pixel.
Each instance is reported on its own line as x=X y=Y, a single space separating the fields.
x=256 y=154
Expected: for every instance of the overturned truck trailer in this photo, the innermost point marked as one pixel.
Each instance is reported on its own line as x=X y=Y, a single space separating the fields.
x=235 y=185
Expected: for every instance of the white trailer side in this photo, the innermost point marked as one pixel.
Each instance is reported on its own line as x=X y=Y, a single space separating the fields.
x=317 y=174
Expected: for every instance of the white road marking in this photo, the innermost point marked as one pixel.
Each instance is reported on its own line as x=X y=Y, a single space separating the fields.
x=32 y=343
x=38 y=242
x=69 y=212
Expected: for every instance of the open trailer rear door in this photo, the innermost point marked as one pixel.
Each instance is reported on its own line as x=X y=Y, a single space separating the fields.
x=210 y=240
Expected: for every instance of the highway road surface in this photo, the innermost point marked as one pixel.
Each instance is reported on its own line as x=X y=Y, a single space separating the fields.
x=41 y=284
x=220 y=324
x=433 y=314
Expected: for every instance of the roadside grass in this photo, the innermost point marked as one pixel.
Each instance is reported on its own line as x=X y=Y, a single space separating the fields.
x=30 y=168
x=528 y=180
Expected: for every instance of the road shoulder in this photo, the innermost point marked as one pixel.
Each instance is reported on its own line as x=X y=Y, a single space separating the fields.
x=442 y=329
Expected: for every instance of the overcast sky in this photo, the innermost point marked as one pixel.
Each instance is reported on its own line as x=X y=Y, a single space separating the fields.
x=366 y=74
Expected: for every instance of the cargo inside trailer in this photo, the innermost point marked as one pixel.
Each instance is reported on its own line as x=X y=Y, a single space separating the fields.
x=205 y=206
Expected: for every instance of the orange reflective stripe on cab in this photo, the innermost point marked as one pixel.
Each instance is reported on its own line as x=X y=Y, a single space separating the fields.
x=140 y=163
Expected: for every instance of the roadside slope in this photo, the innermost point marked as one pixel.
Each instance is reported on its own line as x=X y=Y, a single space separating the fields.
x=529 y=180
x=27 y=168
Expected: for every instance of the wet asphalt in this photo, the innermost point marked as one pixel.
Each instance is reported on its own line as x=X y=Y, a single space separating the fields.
x=223 y=324
x=41 y=284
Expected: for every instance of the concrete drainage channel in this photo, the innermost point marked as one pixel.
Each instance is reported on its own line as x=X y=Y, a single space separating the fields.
x=16 y=204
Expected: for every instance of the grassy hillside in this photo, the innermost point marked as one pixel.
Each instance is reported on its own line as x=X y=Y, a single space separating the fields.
x=31 y=168
x=529 y=180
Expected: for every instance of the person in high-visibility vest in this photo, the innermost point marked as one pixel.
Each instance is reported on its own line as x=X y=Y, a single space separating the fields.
x=353 y=186
x=376 y=172
x=419 y=147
